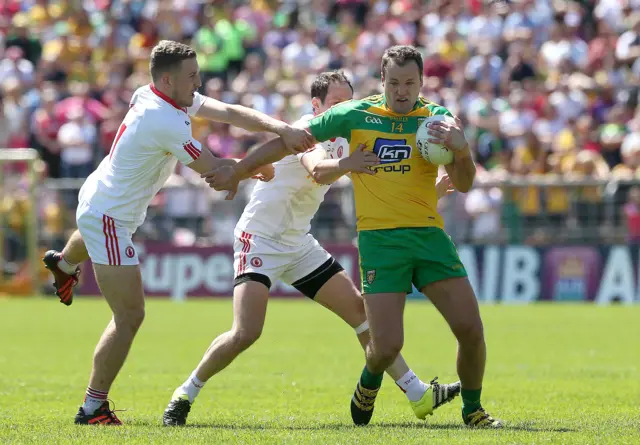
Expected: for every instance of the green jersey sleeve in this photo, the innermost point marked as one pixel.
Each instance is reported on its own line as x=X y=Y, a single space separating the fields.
x=438 y=110
x=332 y=123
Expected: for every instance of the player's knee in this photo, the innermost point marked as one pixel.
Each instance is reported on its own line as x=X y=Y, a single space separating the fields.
x=469 y=331
x=359 y=311
x=387 y=351
x=245 y=337
x=390 y=353
x=136 y=317
x=130 y=319
x=385 y=358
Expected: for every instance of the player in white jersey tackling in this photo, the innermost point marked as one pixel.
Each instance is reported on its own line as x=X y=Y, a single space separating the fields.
x=273 y=242
x=154 y=136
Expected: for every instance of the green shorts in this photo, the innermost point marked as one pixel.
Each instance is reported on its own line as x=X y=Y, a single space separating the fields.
x=392 y=259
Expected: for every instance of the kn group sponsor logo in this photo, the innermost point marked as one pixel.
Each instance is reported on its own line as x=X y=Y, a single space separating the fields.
x=392 y=151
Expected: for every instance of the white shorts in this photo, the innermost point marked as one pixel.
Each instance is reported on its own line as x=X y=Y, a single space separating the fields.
x=254 y=254
x=108 y=241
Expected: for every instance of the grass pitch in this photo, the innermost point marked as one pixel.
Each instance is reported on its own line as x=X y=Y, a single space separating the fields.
x=556 y=374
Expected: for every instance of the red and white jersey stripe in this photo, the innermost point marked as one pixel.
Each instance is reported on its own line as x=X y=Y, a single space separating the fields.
x=245 y=239
x=111 y=241
x=154 y=135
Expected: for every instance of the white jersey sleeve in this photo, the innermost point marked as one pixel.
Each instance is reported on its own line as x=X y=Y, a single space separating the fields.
x=134 y=97
x=198 y=100
x=309 y=150
x=177 y=141
x=303 y=121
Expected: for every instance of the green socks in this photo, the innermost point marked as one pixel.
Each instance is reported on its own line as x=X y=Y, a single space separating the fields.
x=470 y=401
x=370 y=381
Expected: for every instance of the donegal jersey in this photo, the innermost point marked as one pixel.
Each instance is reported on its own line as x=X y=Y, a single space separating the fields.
x=402 y=193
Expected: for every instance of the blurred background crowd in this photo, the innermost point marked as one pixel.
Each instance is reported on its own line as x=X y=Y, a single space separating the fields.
x=548 y=90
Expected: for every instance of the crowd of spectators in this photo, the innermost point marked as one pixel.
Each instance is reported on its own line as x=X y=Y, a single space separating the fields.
x=546 y=88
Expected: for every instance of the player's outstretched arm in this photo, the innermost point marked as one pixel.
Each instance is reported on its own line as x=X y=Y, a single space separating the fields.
x=333 y=123
x=227 y=177
x=297 y=140
x=327 y=171
x=462 y=171
x=207 y=162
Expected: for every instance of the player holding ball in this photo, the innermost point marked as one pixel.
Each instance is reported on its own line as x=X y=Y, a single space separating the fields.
x=400 y=233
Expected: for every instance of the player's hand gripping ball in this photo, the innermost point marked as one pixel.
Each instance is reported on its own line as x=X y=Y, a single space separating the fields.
x=433 y=152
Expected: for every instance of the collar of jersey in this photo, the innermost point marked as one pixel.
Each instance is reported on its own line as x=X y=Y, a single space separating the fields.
x=164 y=97
x=384 y=104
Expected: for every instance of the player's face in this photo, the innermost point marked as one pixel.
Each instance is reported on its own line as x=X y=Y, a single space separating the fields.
x=402 y=86
x=338 y=92
x=186 y=82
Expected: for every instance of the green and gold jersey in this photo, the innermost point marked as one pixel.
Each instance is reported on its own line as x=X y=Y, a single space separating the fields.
x=402 y=193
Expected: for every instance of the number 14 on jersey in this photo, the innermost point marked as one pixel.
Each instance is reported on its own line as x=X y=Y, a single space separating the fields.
x=397 y=127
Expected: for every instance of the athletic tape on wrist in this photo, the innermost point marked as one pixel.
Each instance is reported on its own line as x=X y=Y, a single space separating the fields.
x=364 y=327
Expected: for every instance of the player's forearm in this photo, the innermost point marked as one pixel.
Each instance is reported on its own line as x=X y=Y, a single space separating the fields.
x=233 y=162
x=267 y=153
x=247 y=174
x=227 y=161
x=462 y=172
x=328 y=171
x=252 y=120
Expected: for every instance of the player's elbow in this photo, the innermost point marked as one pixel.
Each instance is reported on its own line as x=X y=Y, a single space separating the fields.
x=464 y=186
x=462 y=183
x=463 y=175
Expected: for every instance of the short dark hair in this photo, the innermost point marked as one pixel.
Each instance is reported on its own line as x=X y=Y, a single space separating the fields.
x=167 y=55
x=320 y=86
x=401 y=55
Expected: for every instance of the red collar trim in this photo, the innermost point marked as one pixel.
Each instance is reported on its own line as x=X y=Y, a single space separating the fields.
x=164 y=97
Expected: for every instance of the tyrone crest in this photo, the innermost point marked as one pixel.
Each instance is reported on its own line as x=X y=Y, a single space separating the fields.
x=256 y=262
x=371 y=275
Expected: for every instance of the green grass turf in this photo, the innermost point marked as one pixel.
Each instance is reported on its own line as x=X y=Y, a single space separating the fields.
x=556 y=374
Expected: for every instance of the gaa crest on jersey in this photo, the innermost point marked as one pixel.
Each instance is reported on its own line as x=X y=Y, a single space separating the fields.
x=371 y=275
x=256 y=261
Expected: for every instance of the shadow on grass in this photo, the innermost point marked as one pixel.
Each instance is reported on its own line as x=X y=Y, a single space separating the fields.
x=262 y=426
x=319 y=427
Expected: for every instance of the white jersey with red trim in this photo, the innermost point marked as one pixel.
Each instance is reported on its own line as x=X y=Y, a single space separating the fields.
x=154 y=135
x=281 y=210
